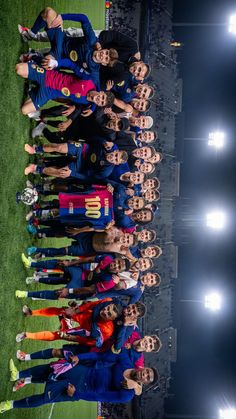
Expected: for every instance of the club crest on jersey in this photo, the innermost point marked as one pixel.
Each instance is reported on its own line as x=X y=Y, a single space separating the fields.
x=78 y=95
x=73 y=55
x=65 y=91
x=93 y=157
x=127 y=346
x=121 y=83
x=77 y=144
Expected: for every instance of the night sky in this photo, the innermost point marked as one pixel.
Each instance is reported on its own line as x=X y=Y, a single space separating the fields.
x=204 y=377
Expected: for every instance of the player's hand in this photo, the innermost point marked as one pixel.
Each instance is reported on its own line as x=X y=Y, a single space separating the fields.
x=109 y=84
x=74 y=359
x=86 y=113
x=110 y=187
x=98 y=46
x=129 y=191
x=62 y=293
x=71 y=390
x=125 y=384
x=64 y=125
x=64 y=172
x=57 y=22
x=130 y=321
x=69 y=110
x=73 y=231
x=108 y=145
x=116 y=278
x=128 y=211
x=49 y=62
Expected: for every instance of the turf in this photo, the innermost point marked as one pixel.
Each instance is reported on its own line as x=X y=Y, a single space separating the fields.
x=15 y=131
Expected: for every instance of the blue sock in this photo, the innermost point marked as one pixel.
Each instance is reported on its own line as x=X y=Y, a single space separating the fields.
x=39 y=149
x=44 y=354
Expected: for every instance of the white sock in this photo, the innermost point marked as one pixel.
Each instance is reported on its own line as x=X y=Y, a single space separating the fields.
x=28 y=380
x=27 y=357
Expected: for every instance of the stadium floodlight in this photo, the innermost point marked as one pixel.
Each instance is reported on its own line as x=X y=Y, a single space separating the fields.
x=232 y=24
x=213 y=302
x=216 y=220
x=227 y=413
x=216 y=139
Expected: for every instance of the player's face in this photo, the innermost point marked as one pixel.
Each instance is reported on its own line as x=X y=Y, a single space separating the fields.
x=109 y=312
x=149 y=184
x=127 y=239
x=142 y=122
x=146 y=167
x=136 y=202
x=143 y=91
x=142 y=153
x=102 y=56
x=155 y=159
x=113 y=124
x=150 y=195
x=118 y=265
x=143 y=215
x=139 y=104
x=114 y=157
x=131 y=310
x=146 y=136
x=149 y=279
x=99 y=98
x=144 y=235
x=143 y=375
x=138 y=70
x=146 y=344
x=136 y=178
x=143 y=264
x=149 y=252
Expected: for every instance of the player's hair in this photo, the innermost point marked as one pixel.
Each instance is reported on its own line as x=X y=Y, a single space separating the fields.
x=148 y=105
x=157 y=343
x=124 y=156
x=150 y=212
x=113 y=54
x=153 y=235
x=110 y=99
x=156 y=375
x=152 y=91
x=156 y=182
x=150 y=261
x=149 y=119
x=141 y=309
x=158 y=279
x=158 y=250
x=148 y=70
x=160 y=155
x=127 y=264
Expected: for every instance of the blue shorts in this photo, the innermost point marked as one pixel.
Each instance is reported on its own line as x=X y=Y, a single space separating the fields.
x=75 y=277
x=75 y=149
x=83 y=246
x=40 y=94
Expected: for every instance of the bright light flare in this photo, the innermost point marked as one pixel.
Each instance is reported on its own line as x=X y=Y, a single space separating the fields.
x=232 y=24
x=216 y=139
x=216 y=220
x=227 y=413
x=213 y=302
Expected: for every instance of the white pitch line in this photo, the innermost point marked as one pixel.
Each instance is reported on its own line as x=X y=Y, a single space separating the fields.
x=50 y=414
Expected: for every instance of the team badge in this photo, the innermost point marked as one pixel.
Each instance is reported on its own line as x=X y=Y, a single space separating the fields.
x=73 y=55
x=121 y=83
x=93 y=157
x=65 y=91
x=77 y=144
x=78 y=95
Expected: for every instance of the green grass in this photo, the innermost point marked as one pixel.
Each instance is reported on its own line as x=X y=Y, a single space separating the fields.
x=15 y=131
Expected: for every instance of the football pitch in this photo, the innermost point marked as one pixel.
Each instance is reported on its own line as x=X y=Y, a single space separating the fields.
x=15 y=132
